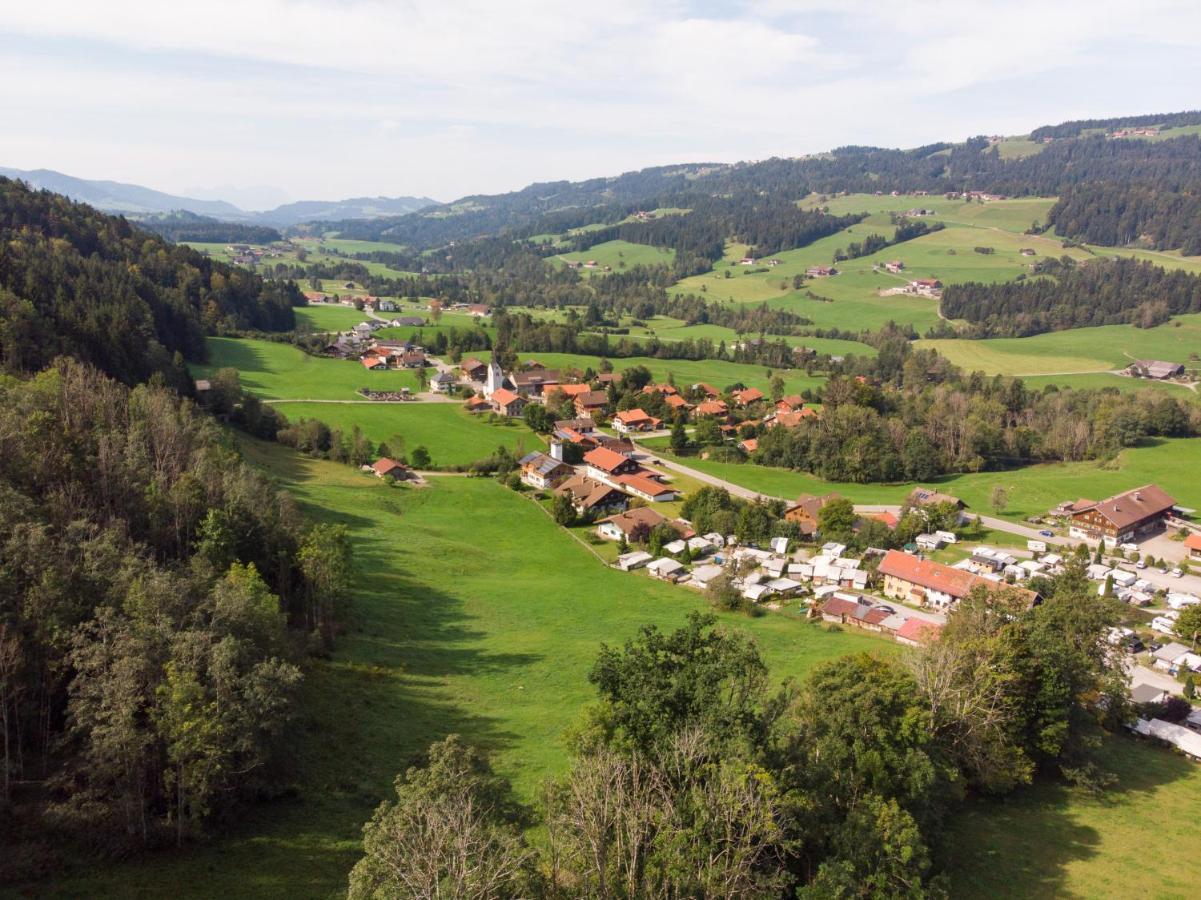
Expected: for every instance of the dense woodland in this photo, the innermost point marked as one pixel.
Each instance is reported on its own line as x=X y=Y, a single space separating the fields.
x=694 y=775
x=1077 y=126
x=1117 y=214
x=157 y=599
x=1074 y=295
x=76 y=282
x=180 y=225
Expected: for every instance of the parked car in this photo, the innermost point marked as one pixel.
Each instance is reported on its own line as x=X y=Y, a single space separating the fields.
x=1140 y=565
x=1176 y=573
x=1047 y=533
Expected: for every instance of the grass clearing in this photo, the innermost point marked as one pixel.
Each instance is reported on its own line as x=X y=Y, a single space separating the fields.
x=619 y=255
x=275 y=371
x=328 y=318
x=475 y=614
x=453 y=436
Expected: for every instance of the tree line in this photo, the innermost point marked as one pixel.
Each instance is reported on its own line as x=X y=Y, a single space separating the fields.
x=1115 y=214
x=694 y=775
x=1073 y=295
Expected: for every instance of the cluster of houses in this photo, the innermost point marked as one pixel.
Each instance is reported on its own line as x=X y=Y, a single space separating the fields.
x=821 y=271
x=924 y=287
x=1148 y=131
x=751 y=261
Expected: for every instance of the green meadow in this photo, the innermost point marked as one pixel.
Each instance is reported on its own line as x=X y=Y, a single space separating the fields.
x=453 y=436
x=328 y=318
x=1172 y=463
x=474 y=614
x=1078 y=350
x=276 y=371
x=719 y=373
x=618 y=255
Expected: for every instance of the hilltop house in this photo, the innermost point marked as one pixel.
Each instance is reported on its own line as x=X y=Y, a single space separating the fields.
x=821 y=271
x=1121 y=518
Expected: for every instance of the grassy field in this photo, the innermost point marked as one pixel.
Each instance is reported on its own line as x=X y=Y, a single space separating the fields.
x=619 y=255
x=453 y=436
x=1173 y=464
x=474 y=614
x=1078 y=350
x=329 y=318
x=719 y=373
x=1051 y=841
x=282 y=372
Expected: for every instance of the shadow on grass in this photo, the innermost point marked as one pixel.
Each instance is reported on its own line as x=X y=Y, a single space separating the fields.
x=1023 y=845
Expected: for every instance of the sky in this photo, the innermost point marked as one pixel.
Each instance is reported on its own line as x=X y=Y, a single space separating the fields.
x=263 y=101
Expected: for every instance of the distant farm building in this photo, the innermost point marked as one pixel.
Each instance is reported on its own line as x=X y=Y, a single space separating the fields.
x=1155 y=368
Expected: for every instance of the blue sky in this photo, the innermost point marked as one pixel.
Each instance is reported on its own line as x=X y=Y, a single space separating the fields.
x=262 y=101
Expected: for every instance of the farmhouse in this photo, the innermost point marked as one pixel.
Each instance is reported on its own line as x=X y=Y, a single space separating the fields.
x=442 y=383
x=505 y=402
x=921 y=496
x=821 y=271
x=590 y=496
x=414 y=359
x=933 y=584
x=747 y=396
x=389 y=468
x=927 y=287
x=647 y=488
x=541 y=471
x=804 y=512
x=1121 y=518
x=712 y=408
x=635 y=420
x=1157 y=369
x=385 y=304
x=631 y=525
x=603 y=464
x=895 y=266
x=535 y=382
x=479 y=310
x=667 y=390
x=918 y=631
x=590 y=402
x=676 y=402
x=477 y=404
x=474 y=369
x=375 y=363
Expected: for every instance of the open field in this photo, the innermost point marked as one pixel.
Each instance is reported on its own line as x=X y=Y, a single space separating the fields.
x=453 y=436
x=276 y=371
x=619 y=255
x=1053 y=841
x=1107 y=380
x=1172 y=463
x=493 y=645
x=719 y=373
x=329 y=318
x=1078 y=350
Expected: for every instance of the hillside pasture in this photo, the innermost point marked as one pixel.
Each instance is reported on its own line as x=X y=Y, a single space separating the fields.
x=618 y=255
x=275 y=371
x=331 y=317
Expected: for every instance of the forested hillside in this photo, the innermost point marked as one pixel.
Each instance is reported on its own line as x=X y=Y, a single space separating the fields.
x=1101 y=292
x=1115 y=214
x=76 y=282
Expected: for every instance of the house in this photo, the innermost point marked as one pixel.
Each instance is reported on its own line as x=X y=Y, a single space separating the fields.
x=805 y=511
x=1192 y=543
x=590 y=402
x=535 y=382
x=479 y=310
x=927 y=287
x=1121 y=518
x=747 y=396
x=707 y=389
x=1171 y=657
x=477 y=404
x=414 y=359
x=389 y=468
x=646 y=488
x=915 y=632
x=747 y=261
x=665 y=568
x=570 y=391
x=636 y=559
x=895 y=266
x=442 y=383
x=921 y=496
x=1155 y=368
x=631 y=420
x=375 y=363
x=584 y=426
x=589 y=496
x=407 y=322
x=712 y=408
x=929 y=583
x=474 y=369
x=791 y=419
x=749 y=446
x=633 y=525
x=821 y=271
x=544 y=472
x=667 y=390
x=790 y=403
x=507 y=403
x=678 y=403
x=604 y=464
x=386 y=304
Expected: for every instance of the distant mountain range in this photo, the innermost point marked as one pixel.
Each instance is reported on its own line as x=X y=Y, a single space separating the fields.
x=135 y=202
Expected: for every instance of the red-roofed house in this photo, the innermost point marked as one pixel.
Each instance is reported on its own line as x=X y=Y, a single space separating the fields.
x=747 y=396
x=647 y=488
x=590 y=402
x=675 y=401
x=789 y=403
x=507 y=403
x=707 y=389
x=389 y=468
x=605 y=464
x=933 y=584
x=750 y=445
x=665 y=389
x=374 y=362
x=635 y=420
x=477 y=404
x=1192 y=544
x=712 y=408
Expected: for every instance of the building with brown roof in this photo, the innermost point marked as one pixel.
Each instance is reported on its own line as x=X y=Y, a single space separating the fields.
x=707 y=389
x=929 y=583
x=542 y=471
x=389 y=468
x=747 y=396
x=604 y=463
x=1192 y=544
x=805 y=511
x=916 y=632
x=589 y=496
x=535 y=382
x=1122 y=517
x=712 y=408
x=633 y=524
x=635 y=420
x=590 y=402
x=474 y=369
x=921 y=496
x=642 y=485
